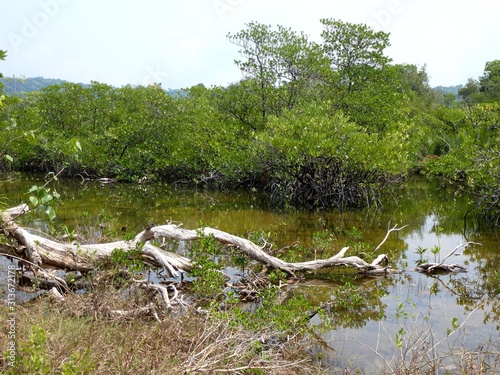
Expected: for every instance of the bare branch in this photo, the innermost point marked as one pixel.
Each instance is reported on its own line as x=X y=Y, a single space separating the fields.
x=464 y=245
x=389 y=231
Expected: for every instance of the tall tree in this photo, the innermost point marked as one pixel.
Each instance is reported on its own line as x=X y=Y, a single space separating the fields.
x=415 y=85
x=280 y=67
x=362 y=82
x=489 y=83
x=469 y=93
x=354 y=50
x=259 y=64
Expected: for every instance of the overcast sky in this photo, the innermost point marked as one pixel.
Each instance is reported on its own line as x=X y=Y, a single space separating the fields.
x=183 y=43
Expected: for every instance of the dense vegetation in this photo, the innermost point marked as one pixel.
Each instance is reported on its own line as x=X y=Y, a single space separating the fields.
x=314 y=124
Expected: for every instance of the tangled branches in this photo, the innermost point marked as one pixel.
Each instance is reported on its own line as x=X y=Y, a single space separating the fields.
x=323 y=182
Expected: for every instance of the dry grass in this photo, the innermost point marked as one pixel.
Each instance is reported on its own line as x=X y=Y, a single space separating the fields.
x=84 y=335
x=81 y=335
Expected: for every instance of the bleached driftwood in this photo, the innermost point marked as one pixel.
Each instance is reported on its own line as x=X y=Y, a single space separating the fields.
x=41 y=251
x=253 y=251
x=45 y=252
x=26 y=241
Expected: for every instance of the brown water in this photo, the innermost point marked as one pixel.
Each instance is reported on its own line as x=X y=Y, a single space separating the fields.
x=391 y=314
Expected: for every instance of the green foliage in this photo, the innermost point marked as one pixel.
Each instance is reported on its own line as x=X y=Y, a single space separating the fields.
x=347 y=297
x=280 y=67
x=284 y=70
x=469 y=154
x=361 y=82
x=6 y=159
x=414 y=83
x=320 y=159
x=399 y=338
x=484 y=90
x=454 y=326
x=435 y=250
x=421 y=251
x=277 y=276
x=42 y=198
x=34 y=357
x=221 y=135
x=3 y=55
x=489 y=83
x=209 y=281
x=350 y=46
x=289 y=317
x=323 y=240
x=130 y=260
x=470 y=92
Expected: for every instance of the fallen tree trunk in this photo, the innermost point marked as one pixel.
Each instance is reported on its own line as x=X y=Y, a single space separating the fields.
x=43 y=252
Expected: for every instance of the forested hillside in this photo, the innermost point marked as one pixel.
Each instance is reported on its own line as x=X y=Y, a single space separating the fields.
x=21 y=86
x=314 y=125
x=16 y=86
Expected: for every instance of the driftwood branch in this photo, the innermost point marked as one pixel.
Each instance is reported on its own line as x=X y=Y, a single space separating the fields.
x=20 y=234
x=41 y=251
x=80 y=257
x=255 y=252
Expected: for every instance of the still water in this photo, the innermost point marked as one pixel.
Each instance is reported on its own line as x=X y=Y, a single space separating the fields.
x=395 y=318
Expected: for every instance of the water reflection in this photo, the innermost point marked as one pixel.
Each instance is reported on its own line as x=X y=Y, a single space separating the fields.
x=444 y=314
x=417 y=312
x=366 y=315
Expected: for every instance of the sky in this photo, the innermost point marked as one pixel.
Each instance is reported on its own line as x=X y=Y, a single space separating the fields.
x=183 y=43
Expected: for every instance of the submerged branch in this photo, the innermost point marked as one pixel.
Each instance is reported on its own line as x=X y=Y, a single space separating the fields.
x=431 y=267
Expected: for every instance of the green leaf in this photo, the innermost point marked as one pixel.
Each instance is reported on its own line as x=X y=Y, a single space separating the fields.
x=32 y=189
x=399 y=341
x=50 y=213
x=9 y=158
x=33 y=200
x=46 y=198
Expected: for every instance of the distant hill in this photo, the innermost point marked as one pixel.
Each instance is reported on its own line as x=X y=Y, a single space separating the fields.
x=19 y=86
x=449 y=89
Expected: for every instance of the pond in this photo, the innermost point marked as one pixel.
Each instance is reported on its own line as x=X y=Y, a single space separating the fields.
x=375 y=323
